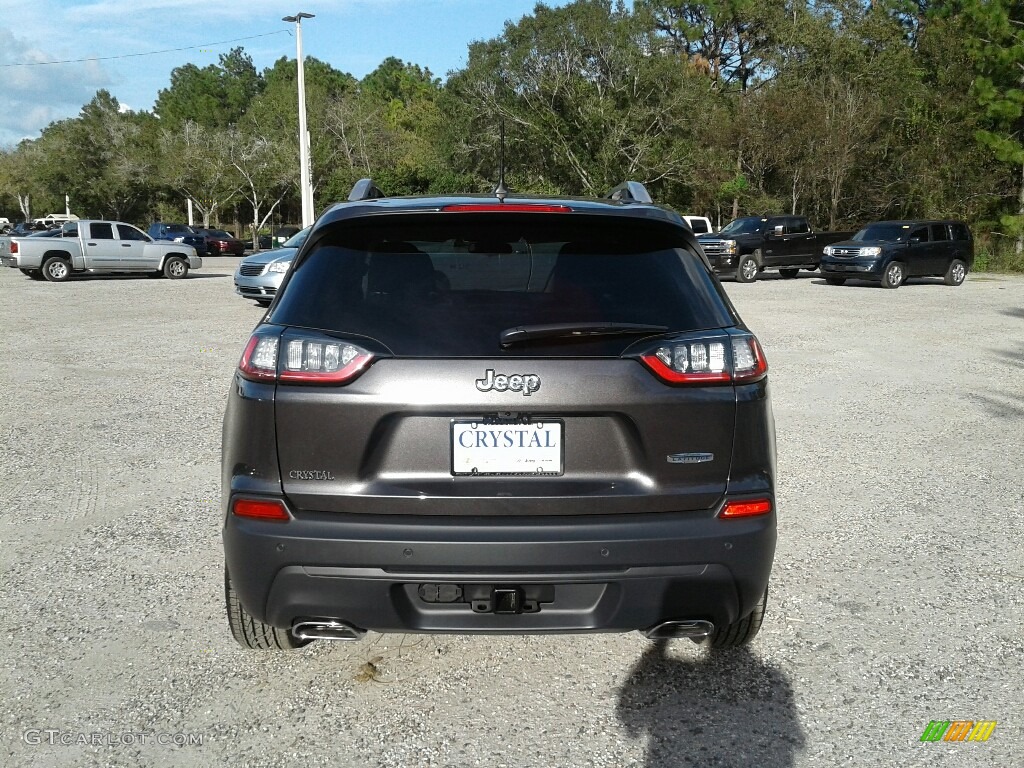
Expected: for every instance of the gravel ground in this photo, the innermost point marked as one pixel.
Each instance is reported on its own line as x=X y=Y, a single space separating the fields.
x=896 y=596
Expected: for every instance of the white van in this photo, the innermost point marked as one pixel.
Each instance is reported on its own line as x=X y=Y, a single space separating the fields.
x=55 y=219
x=701 y=225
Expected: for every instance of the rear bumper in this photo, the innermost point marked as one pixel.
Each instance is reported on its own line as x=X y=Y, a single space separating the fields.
x=607 y=573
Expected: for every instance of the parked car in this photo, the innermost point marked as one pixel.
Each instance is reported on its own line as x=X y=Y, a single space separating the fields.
x=26 y=228
x=488 y=415
x=5 y=226
x=890 y=252
x=179 y=233
x=259 y=275
x=748 y=246
x=221 y=243
x=95 y=247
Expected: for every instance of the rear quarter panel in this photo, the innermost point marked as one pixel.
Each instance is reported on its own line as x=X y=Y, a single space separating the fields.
x=32 y=251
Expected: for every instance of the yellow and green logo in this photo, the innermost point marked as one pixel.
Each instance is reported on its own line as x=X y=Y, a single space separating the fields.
x=958 y=730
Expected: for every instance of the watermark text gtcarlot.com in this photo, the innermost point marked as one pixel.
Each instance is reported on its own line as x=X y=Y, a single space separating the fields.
x=57 y=737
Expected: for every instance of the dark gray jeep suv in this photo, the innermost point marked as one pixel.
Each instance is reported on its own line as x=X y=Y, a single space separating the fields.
x=483 y=414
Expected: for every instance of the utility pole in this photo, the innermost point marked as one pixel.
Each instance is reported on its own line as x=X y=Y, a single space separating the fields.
x=305 y=182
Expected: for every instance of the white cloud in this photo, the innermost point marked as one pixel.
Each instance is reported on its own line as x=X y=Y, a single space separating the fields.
x=34 y=96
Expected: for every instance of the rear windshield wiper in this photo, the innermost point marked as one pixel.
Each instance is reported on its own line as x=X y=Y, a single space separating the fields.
x=574 y=331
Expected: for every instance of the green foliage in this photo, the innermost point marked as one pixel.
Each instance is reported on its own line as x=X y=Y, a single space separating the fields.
x=843 y=110
x=215 y=96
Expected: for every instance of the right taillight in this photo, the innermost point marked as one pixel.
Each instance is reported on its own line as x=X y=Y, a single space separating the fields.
x=727 y=359
x=746 y=508
x=14 y=246
x=308 y=360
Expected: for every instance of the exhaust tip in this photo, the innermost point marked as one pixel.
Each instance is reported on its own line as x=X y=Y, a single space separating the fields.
x=327 y=629
x=671 y=630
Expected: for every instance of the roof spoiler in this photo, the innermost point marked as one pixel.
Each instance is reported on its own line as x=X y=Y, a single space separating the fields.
x=364 y=189
x=630 y=192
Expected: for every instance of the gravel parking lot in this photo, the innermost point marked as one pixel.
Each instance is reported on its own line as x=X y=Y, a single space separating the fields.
x=896 y=597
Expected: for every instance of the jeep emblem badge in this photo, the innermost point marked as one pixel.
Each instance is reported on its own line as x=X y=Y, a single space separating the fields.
x=527 y=383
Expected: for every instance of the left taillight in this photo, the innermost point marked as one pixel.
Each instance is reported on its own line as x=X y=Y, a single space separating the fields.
x=727 y=359
x=261 y=509
x=303 y=360
x=14 y=246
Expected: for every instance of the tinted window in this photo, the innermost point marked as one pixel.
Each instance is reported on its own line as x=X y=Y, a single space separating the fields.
x=130 y=233
x=98 y=231
x=883 y=232
x=960 y=232
x=449 y=284
x=920 y=234
x=699 y=226
x=296 y=240
x=798 y=226
x=746 y=226
x=939 y=232
x=177 y=229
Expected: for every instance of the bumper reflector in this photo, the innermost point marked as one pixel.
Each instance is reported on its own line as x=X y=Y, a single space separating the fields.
x=260 y=509
x=746 y=508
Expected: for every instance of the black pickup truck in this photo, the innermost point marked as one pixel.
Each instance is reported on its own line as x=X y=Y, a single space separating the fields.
x=747 y=246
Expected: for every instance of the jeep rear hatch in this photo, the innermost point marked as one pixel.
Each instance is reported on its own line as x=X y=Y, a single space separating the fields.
x=502 y=363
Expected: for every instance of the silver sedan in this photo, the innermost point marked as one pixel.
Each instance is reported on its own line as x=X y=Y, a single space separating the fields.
x=259 y=276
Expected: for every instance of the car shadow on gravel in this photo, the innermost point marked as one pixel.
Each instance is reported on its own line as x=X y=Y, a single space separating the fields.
x=728 y=708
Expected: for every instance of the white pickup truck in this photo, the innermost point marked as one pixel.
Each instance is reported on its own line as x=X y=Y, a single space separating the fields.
x=96 y=247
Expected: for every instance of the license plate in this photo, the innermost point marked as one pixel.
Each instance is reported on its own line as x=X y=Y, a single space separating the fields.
x=481 y=448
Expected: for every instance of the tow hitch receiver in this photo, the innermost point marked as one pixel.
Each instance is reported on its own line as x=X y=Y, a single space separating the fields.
x=508 y=600
x=488 y=598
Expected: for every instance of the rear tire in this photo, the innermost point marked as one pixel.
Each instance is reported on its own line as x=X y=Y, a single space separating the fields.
x=747 y=268
x=249 y=631
x=789 y=274
x=175 y=268
x=894 y=275
x=56 y=269
x=740 y=632
x=956 y=273
x=835 y=280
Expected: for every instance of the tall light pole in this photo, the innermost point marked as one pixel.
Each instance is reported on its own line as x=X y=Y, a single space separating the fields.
x=304 y=176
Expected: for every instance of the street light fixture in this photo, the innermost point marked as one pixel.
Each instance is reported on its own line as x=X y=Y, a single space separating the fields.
x=306 y=184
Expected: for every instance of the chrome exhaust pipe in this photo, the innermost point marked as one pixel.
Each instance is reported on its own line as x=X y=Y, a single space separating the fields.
x=671 y=630
x=327 y=629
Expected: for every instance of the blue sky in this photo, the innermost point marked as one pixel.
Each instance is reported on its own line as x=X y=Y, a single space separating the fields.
x=351 y=35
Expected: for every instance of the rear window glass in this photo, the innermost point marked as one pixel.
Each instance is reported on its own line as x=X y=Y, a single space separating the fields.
x=99 y=231
x=447 y=285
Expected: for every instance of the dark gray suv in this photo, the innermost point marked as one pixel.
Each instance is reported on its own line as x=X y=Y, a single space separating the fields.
x=483 y=414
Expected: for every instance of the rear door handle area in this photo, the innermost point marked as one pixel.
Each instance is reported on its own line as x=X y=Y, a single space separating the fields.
x=126 y=245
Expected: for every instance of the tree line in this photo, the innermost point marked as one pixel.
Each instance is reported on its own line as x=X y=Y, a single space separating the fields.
x=846 y=111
